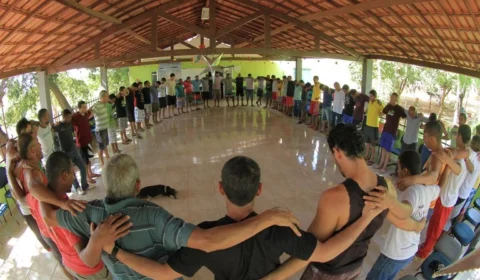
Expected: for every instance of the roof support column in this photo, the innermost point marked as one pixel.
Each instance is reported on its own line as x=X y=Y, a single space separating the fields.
x=367 y=75
x=213 y=25
x=44 y=92
x=298 y=68
x=104 y=77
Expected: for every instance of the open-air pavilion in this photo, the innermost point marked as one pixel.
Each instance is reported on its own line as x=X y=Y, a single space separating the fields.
x=51 y=36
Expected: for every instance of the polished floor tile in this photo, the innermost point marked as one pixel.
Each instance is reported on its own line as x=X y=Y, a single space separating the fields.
x=187 y=153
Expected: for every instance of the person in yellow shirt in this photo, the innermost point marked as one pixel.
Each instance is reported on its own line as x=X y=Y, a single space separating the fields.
x=370 y=131
x=279 y=94
x=315 y=103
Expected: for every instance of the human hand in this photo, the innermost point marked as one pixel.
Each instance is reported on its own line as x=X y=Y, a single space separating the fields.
x=109 y=230
x=379 y=198
x=12 y=163
x=421 y=225
x=73 y=206
x=281 y=217
x=370 y=212
x=444 y=156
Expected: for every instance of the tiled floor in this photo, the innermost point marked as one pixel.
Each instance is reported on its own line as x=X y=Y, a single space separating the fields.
x=187 y=153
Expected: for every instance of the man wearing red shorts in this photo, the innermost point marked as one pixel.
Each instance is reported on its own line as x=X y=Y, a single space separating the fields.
x=315 y=102
x=289 y=98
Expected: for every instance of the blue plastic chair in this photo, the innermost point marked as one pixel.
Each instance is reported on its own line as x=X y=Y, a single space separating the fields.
x=3 y=185
x=473 y=216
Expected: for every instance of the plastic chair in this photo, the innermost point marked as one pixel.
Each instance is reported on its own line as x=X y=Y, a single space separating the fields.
x=449 y=246
x=476 y=203
x=463 y=233
x=473 y=216
x=434 y=260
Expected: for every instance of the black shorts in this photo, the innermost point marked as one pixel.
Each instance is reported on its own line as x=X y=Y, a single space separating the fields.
x=84 y=154
x=370 y=134
x=163 y=102
x=205 y=95
x=131 y=115
x=240 y=92
x=171 y=100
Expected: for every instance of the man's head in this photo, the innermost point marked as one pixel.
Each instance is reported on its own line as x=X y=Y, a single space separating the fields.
x=188 y=78
x=34 y=128
x=172 y=76
x=352 y=93
x=315 y=79
x=218 y=74
x=462 y=118
x=412 y=112
x=345 y=88
x=147 y=84
x=66 y=116
x=372 y=95
x=103 y=96
x=347 y=146
x=60 y=173
x=273 y=77
x=121 y=177
x=164 y=80
x=196 y=77
x=111 y=98
x=82 y=107
x=24 y=126
x=249 y=75
x=336 y=86
x=432 y=117
x=228 y=75
x=475 y=144
x=409 y=164
x=157 y=84
x=121 y=90
x=289 y=78
x=394 y=98
x=240 y=180
x=28 y=147
x=43 y=116
x=284 y=78
x=432 y=135
x=139 y=85
x=180 y=81
x=239 y=75
x=464 y=134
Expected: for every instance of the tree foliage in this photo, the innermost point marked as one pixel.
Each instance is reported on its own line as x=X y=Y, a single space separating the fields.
x=117 y=77
x=23 y=97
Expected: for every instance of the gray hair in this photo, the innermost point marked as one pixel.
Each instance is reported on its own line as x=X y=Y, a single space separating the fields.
x=102 y=93
x=120 y=176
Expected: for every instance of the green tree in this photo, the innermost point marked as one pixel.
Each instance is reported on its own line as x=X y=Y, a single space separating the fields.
x=73 y=89
x=399 y=76
x=23 y=97
x=441 y=82
x=465 y=83
x=117 y=77
x=355 y=69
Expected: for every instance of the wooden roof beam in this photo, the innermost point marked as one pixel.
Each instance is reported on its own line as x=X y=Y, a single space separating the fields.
x=430 y=26
x=305 y=26
x=142 y=17
x=358 y=7
x=462 y=43
x=237 y=24
x=184 y=24
x=91 y=12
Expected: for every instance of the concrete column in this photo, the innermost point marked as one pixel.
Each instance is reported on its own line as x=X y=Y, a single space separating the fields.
x=44 y=92
x=367 y=75
x=104 y=77
x=298 y=68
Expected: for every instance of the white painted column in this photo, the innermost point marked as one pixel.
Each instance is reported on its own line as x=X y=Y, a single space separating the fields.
x=44 y=92
x=104 y=77
x=298 y=68
x=367 y=75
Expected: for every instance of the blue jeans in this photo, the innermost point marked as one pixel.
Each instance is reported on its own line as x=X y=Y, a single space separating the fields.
x=337 y=118
x=78 y=161
x=386 y=268
x=297 y=110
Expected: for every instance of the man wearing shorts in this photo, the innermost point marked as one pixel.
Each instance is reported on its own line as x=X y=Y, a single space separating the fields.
x=290 y=92
x=148 y=103
x=120 y=108
x=205 y=91
x=162 y=99
x=349 y=106
x=112 y=124
x=249 y=88
x=171 y=100
x=217 y=90
x=83 y=137
x=139 y=110
x=260 y=90
x=274 y=91
x=338 y=103
x=327 y=110
x=228 y=83
x=315 y=102
x=393 y=113
x=154 y=99
x=196 y=83
x=100 y=113
x=268 y=92
x=130 y=107
x=370 y=131
x=239 y=88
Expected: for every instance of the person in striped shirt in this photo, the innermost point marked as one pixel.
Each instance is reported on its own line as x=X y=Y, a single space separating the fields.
x=100 y=113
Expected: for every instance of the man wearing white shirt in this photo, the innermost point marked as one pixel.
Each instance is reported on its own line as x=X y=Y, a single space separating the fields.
x=338 y=103
x=44 y=134
x=171 y=99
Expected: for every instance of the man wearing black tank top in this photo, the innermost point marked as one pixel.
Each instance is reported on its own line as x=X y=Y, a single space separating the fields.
x=339 y=207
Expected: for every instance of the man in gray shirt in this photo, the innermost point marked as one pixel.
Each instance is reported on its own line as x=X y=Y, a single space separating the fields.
x=64 y=133
x=155 y=102
x=410 y=137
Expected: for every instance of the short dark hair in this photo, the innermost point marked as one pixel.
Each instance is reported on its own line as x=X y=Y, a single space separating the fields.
x=41 y=113
x=164 y=79
x=158 y=82
x=22 y=125
x=394 y=94
x=475 y=144
x=432 y=117
x=66 y=112
x=465 y=133
x=346 y=87
x=412 y=161
x=23 y=143
x=134 y=85
x=373 y=92
x=348 y=139
x=241 y=180
x=139 y=83
x=146 y=82
x=463 y=115
x=433 y=128
x=112 y=96
x=57 y=163
x=80 y=103
x=121 y=89
x=172 y=75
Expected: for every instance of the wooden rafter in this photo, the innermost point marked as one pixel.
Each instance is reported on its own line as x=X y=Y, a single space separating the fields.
x=117 y=28
x=91 y=12
x=267 y=30
x=237 y=24
x=432 y=29
x=184 y=24
x=474 y=17
x=188 y=45
x=462 y=43
x=154 y=32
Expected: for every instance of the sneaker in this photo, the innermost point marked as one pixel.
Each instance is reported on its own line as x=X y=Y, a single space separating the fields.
x=81 y=192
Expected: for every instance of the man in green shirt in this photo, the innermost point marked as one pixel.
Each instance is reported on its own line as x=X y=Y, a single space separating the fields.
x=100 y=112
x=155 y=233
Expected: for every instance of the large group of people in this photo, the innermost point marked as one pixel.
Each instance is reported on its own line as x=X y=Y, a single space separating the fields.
x=123 y=237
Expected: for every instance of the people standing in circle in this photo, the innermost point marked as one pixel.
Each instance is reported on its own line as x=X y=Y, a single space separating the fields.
x=155 y=104
x=370 y=131
x=217 y=90
x=100 y=113
x=162 y=99
x=147 y=103
x=187 y=85
x=205 y=91
x=171 y=99
x=349 y=106
x=338 y=102
x=228 y=83
x=249 y=89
